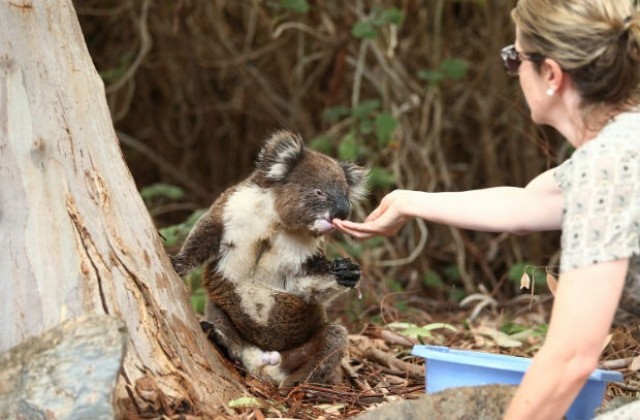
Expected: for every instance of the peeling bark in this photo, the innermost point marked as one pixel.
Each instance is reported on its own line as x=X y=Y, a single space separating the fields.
x=76 y=237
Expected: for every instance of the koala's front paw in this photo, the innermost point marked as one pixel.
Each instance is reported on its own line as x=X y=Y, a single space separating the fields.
x=346 y=271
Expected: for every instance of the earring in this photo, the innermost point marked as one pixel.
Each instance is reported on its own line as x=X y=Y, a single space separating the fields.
x=550 y=92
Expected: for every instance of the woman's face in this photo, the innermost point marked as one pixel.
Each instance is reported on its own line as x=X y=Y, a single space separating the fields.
x=534 y=88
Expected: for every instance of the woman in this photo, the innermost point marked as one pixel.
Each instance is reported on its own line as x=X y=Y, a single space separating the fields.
x=578 y=63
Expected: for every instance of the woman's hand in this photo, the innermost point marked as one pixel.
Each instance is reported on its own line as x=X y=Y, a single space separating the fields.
x=386 y=219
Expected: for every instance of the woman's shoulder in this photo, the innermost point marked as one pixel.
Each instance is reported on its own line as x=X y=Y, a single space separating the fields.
x=624 y=126
x=616 y=147
x=620 y=137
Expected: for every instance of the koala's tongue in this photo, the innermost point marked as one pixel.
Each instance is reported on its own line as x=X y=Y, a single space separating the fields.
x=324 y=225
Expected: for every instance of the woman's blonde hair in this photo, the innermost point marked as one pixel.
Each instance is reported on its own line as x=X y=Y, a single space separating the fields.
x=597 y=42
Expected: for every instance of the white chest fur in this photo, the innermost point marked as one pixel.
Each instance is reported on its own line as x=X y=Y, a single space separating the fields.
x=258 y=255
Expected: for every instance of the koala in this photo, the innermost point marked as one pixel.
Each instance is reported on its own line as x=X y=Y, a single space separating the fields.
x=266 y=275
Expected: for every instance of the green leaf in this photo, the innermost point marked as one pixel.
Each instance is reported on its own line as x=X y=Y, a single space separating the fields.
x=452 y=272
x=401 y=306
x=414 y=331
x=364 y=29
x=385 y=124
x=170 y=234
x=366 y=126
x=524 y=335
x=456 y=295
x=322 y=144
x=516 y=271
x=245 y=402
x=392 y=15
x=394 y=285
x=193 y=280
x=505 y=341
x=298 y=6
x=111 y=75
x=431 y=76
x=175 y=234
x=374 y=242
x=398 y=325
x=114 y=74
x=366 y=108
x=161 y=190
x=538 y=275
x=353 y=249
x=193 y=218
x=432 y=279
x=335 y=114
x=381 y=178
x=454 y=68
x=348 y=148
x=198 y=302
x=512 y=328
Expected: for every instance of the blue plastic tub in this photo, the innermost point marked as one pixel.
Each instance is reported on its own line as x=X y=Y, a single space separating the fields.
x=449 y=368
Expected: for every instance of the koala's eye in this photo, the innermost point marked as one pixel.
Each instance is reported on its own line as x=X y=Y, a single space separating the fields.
x=319 y=192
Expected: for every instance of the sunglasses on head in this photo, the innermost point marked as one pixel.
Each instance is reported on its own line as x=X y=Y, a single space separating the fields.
x=512 y=59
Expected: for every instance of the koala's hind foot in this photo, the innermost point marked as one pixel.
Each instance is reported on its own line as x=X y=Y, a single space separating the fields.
x=318 y=359
x=271 y=358
x=221 y=331
x=346 y=271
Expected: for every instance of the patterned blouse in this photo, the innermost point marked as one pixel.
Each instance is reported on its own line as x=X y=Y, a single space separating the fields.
x=601 y=215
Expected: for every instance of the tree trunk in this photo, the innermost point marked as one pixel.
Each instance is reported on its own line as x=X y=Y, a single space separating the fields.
x=76 y=237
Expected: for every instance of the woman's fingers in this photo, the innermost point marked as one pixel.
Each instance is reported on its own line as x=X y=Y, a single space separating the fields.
x=358 y=230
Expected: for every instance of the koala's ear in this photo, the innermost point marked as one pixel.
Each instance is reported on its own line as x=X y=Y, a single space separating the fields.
x=357 y=179
x=279 y=154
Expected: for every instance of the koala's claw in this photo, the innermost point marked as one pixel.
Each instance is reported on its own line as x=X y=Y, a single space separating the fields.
x=181 y=264
x=207 y=328
x=177 y=264
x=346 y=271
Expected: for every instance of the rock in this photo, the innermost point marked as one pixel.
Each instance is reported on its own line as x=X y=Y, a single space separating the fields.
x=68 y=372
x=487 y=402
x=621 y=408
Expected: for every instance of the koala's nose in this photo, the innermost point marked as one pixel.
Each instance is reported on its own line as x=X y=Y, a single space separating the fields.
x=341 y=209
